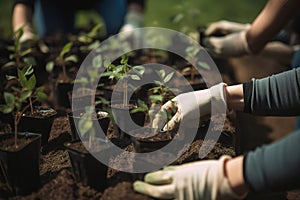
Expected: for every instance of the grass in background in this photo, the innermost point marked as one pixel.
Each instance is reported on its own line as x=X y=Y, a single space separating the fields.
x=187 y=15
x=180 y=15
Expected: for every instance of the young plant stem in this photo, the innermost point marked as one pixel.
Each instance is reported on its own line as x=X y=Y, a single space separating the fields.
x=31 y=106
x=16 y=129
x=64 y=70
x=90 y=141
x=125 y=94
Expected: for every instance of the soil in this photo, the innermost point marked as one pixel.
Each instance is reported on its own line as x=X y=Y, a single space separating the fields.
x=58 y=181
x=40 y=112
x=9 y=144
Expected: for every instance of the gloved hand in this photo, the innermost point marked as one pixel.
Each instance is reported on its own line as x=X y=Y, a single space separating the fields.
x=188 y=106
x=133 y=19
x=198 y=180
x=234 y=44
x=224 y=27
x=27 y=33
x=279 y=51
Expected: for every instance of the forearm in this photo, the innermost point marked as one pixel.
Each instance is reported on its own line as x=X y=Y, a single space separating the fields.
x=274 y=167
x=22 y=16
x=277 y=95
x=270 y=21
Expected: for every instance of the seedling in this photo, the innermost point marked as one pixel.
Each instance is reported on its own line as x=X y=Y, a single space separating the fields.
x=191 y=55
x=24 y=92
x=161 y=93
x=89 y=39
x=62 y=60
x=90 y=82
x=120 y=72
x=19 y=55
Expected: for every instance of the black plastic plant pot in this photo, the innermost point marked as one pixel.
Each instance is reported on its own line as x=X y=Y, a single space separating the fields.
x=79 y=100
x=120 y=119
x=41 y=122
x=19 y=168
x=143 y=144
x=74 y=118
x=86 y=168
x=61 y=90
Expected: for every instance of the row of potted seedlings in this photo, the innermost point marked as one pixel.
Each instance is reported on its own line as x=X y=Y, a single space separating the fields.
x=19 y=152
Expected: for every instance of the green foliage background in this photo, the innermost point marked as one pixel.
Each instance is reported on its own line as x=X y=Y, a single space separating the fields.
x=181 y=15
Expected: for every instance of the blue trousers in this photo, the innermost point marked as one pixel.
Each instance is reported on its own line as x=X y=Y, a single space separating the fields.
x=51 y=17
x=296 y=63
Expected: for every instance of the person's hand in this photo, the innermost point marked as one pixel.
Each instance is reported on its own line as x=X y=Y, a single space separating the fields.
x=234 y=44
x=187 y=106
x=26 y=36
x=224 y=27
x=197 y=180
x=133 y=20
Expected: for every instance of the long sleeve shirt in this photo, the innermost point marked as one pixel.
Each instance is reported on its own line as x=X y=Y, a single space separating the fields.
x=274 y=167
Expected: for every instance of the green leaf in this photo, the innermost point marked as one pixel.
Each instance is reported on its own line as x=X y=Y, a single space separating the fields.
x=25 y=95
x=156 y=98
x=49 y=66
x=6 y=108
x=135 y=77
x=82 y=80
x=84 y=125
x=27 y=70
x=71 y=58
x=15 y=89
x=124 y=59
x=107 y=64
x=41 y=96
x=84 y=39
x=168 y=77
x=22 y=79
x=9 y=98
x=97 y=61
x=94 y=32
x=94 y=45
x=9 y=64
x=65 y=49
x=25 y=52
x=204 y=65
x=31 y=83
x=30 y=60
x=9 y=77
x=161 y=73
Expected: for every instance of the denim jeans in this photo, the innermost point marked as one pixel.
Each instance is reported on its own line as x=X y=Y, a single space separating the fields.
x=51 y=17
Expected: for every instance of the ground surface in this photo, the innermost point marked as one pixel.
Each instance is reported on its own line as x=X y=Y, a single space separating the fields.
x=58 y=181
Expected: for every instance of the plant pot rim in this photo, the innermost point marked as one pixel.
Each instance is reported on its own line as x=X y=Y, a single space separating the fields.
x=35 y=136
x=71 y=114
x=42 y=109
x=146 y=140
x=68 y=145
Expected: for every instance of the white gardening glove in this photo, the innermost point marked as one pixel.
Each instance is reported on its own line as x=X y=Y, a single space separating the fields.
x=203 y=180
x=27 y=35
x=133 y=19
x=188 y=106
x=224 y=27
x=234 y=44
x=279 y=51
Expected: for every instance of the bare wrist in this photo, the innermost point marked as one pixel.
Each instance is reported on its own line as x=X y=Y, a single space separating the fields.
x=235 y=97
x=235 y=176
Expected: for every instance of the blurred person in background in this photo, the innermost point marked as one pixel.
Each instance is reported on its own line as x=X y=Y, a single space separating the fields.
x=260 y=36
x=51 y=16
